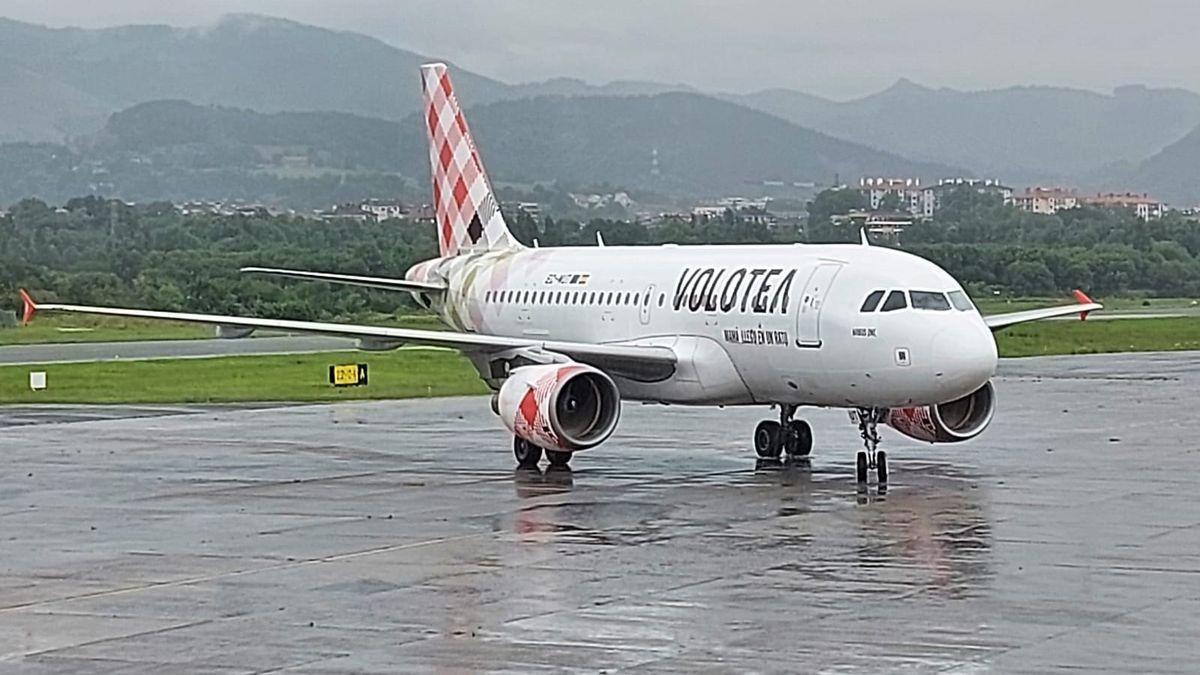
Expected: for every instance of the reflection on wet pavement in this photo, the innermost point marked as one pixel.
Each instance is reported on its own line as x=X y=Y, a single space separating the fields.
x=397 y=536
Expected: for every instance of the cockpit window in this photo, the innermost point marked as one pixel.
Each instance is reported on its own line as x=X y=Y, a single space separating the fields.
x=929 y=300
x=960 y=301
x=872 y=301
x=895 y=300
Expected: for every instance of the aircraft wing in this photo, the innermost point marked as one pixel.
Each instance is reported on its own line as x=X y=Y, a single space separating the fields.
x=645 y=363
x=1083 y=306
x=349 y=279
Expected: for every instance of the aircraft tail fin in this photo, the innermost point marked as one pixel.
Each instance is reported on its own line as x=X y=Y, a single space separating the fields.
x=468 y=215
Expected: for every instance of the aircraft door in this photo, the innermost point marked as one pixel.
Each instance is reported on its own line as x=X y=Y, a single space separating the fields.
x=808 y=316
x=646 y=300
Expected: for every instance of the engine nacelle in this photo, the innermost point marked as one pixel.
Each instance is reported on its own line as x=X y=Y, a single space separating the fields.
x=958 y=420
x=560 y=406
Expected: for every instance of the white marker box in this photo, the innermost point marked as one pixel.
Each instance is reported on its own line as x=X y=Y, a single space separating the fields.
x=37 y=381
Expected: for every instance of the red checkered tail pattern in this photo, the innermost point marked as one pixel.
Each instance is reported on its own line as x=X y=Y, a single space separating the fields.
x=468 y=216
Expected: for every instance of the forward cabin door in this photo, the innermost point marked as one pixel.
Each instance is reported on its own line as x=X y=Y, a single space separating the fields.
x=808 y=316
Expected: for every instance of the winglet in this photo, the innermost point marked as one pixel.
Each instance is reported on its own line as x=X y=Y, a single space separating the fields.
x=29 y=307
x=1083 y=299
x=862 y=237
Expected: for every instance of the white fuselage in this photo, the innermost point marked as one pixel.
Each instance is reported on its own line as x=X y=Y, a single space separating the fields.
x=750 y=324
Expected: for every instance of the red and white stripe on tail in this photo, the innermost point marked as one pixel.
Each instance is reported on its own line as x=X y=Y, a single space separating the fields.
x=468 y=216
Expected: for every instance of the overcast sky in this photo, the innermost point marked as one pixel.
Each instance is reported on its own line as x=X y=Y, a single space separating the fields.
x=838 y=48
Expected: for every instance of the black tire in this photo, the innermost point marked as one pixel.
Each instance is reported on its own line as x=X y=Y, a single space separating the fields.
x=861 y=467
x=559 y=458
x=881 y=470
x=768 y=441
x=799 y=441
x=528 y=455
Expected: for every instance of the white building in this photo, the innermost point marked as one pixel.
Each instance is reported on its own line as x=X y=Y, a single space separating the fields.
x=383 y=210
x=912 y=198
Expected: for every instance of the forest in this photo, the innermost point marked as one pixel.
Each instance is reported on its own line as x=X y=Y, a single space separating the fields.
x=97 y=251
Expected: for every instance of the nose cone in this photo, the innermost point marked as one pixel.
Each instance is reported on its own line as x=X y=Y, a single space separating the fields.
x=964 y=359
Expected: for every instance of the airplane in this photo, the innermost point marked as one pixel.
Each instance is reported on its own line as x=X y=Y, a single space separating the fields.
x=563 y=336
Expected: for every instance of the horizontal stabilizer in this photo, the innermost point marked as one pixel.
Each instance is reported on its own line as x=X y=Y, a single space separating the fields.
x=383 y=283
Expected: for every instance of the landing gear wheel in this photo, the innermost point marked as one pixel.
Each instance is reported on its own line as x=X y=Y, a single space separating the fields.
x=559 y=459
x=799 y=440
x=528 y=455
x=767 y=439
x=881 y=467
x=861 y=467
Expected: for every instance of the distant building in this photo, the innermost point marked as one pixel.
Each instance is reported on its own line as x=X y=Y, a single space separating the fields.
x=531 y=209
x=911 y=197
x=932 y=196
x=599 y=201
x=887 y=225
x=740 y=203
x=1046 y=200
x=375 y=210
x=1143 y=205
x=383 y=209
x=709 y=212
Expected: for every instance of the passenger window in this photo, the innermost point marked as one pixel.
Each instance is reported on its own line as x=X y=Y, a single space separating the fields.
x=929 y=300
x=960 y=301
x=872 y=301
x=895 y=300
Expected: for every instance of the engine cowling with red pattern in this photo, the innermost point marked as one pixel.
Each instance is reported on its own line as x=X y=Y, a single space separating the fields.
x=560 y=406
x=952 y=422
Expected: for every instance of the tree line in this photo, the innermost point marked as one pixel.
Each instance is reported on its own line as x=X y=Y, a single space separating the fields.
x=97 y=251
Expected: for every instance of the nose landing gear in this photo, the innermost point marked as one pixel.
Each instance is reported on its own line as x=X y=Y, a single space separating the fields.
x=771 y=438
x=871 y=457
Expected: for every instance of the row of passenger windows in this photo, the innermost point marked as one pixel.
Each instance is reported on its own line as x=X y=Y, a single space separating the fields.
x=938 y=302
x=570 y=298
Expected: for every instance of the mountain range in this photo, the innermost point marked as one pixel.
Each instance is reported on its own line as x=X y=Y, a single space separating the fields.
x=672 y=143
x=65 y=83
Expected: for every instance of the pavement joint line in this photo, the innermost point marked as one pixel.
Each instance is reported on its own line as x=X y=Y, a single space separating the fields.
x=243 y=572
x=13 y=655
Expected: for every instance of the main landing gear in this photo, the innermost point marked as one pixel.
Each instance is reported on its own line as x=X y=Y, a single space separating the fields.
x=529 y=455
x=794 y=437
x=871 y=457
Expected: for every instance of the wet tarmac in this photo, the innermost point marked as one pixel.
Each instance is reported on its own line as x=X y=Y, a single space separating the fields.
x=397 y=536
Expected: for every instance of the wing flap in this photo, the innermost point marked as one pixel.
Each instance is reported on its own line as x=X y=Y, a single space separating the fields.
x=383 y=283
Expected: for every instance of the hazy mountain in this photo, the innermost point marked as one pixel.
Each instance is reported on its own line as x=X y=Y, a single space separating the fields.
x=1020 y=134
x=703 y=144
x=1172 y=175
x=178 y=150
x=57 y=77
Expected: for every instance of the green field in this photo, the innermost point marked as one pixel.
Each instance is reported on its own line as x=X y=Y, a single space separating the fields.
x=406 y=373
x=1041 y=338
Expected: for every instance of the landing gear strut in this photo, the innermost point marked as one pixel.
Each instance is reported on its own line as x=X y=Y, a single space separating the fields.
x=871 y=457
x=792 y=436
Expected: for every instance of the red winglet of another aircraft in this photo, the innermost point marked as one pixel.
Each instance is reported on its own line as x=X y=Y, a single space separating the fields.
x=1083 y=299
x=29 y=307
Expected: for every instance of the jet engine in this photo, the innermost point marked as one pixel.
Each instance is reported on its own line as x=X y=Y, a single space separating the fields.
x=559 y=406
x=958 y=420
